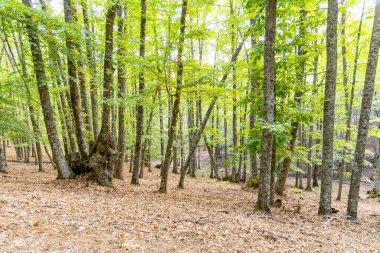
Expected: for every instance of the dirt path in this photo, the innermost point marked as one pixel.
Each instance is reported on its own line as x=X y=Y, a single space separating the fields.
x=41 y=214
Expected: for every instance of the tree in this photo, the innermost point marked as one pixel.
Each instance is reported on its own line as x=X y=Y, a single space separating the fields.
x=140 y=106
x=72 y=50
x=104 y=150
x=64 y=171
x=363 y=126
x=263 y=200
x=329 y=109
x=121 y=79
x=176 y=103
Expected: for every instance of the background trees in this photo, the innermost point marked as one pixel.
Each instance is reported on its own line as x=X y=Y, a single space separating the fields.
x=198 y=80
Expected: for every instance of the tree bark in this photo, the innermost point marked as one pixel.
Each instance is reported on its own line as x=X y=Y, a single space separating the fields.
x=121 y=79
x=104 y=150
x=72 y=47
x=64 y=171
x=3 y=168
x=280 y=185
x=263 y=199
x=176 y=104
x=346 y=94
x=329 y=109
x=92 y=67
x=140 y=106
x=363 y=126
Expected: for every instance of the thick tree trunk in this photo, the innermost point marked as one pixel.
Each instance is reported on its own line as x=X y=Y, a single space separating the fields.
x=329 y=109
x=70 y=15
x=363 y=126
x=103 y=152
x=64 y=171
x=263 y=199
x=140 y=106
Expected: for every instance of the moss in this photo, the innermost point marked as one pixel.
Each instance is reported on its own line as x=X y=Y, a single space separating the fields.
x=3 y=202
x=253 y=182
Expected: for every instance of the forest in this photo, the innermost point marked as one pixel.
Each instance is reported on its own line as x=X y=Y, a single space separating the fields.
x=189 y=126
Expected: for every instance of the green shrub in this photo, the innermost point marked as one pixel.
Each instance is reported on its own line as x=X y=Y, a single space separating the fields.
x=253 y=182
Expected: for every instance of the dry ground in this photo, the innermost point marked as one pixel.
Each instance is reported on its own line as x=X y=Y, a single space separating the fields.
x=41 y=214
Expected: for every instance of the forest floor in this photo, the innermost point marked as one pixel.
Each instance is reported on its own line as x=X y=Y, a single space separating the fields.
x=41 y=214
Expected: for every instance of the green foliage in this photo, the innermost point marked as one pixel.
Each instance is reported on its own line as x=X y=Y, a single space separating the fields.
x=252 y=182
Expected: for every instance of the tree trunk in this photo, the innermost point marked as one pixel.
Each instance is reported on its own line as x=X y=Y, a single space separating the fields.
x=176 y=97
x=234 y=108
x=70 y=15
x=205 y=119
x=280 y=186
x=361 y=142
x=140 y=106
x=3 y=168
x=252 y=116
x=309 y=164
x=263 y=199
x=35 y=126
x=64 y=171
x=346 y=94
x=121 y=80
x=92 y=68
x=350 y=103
x=329 y=109
x=103 y=152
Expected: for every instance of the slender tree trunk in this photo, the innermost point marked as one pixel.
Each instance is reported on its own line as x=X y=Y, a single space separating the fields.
x=263 y=199
x=92 y=68
x=121 y=79
x=300 y=163
x=214 y=166
x=252 y=116
x=162 y=143
x=83 y=92
x=346 y=94
x=225 y=129
x=329 y=109
x=309 y=164
x=205 y=119
x=280 y=185
x=145 y=145
x=35 y=126
x=361 y=142
x=3 y=167
x=234 y=108
x=51 y=159
x=176 y=97
x=70 y=15
x=140 y=106
x=64 y=171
